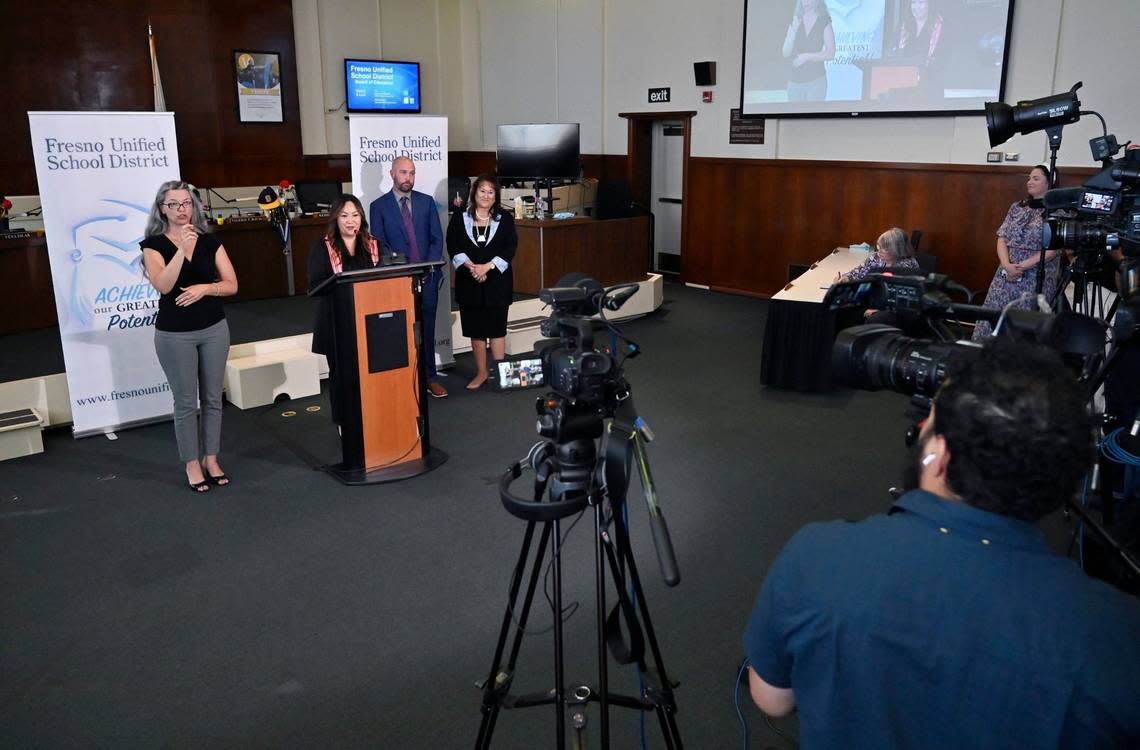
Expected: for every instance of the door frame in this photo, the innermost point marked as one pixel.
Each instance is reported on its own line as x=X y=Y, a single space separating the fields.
x=639 y=163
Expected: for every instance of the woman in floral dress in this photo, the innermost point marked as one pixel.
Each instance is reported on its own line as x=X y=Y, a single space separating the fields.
x=1019 y=252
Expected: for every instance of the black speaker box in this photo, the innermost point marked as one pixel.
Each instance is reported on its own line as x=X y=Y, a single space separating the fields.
x=705 y=73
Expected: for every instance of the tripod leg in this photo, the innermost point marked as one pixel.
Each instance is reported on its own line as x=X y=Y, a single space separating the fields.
x=559 y=665
x=659 y=688
x=499 y=680
x=603 y=667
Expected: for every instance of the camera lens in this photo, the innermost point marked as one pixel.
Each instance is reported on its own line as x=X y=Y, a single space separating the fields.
x=1073 y=234
x=874 y=357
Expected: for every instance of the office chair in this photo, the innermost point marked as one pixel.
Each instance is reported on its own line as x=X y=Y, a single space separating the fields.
x=614 y=200
x=928 y=262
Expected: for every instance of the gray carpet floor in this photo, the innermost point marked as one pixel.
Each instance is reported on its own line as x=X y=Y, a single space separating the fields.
x=287 y=610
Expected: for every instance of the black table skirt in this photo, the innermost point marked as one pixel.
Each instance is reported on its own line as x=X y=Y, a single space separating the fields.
x=797 y=344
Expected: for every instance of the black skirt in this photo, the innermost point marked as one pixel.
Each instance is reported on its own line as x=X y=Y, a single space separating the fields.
x=483 y=322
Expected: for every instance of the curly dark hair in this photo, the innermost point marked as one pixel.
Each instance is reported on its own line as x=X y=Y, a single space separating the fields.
x=1018 y=431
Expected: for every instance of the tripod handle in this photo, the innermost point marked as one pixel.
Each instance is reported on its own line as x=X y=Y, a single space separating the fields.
x=663 y=544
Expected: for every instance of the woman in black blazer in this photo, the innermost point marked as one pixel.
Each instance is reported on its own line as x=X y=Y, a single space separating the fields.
x=346 y=246
x=481 y=242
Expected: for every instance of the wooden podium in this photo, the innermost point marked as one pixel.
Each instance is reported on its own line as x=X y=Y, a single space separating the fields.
x=379 y=360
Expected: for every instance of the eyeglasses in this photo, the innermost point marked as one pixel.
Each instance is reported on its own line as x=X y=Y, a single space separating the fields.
x=175 y=205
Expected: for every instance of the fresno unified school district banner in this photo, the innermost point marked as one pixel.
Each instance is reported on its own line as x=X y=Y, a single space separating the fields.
x=376 y=140
x=98 y=173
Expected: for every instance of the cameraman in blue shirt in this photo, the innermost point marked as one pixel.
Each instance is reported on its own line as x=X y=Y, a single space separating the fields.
x=949 y=622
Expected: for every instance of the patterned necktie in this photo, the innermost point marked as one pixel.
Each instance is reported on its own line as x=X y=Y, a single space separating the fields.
x=406 y=211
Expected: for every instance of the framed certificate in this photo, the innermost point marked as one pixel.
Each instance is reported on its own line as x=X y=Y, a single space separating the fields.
x=257 y=82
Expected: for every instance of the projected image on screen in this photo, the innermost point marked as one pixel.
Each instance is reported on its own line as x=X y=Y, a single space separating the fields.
x=820 y=57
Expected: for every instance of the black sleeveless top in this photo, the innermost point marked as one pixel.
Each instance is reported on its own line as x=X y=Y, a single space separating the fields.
x=807 y=42
x=199 y=270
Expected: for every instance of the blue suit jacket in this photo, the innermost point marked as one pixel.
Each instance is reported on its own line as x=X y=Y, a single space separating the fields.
x=386 y=223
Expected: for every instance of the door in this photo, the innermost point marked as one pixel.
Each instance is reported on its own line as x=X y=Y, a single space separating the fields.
x=665 y=194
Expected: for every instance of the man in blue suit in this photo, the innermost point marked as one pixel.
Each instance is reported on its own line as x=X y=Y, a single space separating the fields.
x=407 y=221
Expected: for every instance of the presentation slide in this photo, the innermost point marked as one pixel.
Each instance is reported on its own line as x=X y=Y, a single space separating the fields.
x=377 y=86
x=845 y=57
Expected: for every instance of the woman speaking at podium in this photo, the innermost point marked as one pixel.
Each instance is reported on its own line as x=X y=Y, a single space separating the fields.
x=189 y=268
x=481 y=242
x=346 y=246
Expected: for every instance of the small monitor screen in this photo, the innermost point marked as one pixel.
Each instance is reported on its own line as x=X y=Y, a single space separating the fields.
x=381 y=86
x=516 y=374
x=538 y=150
x=316 y=196
x=1099 y=202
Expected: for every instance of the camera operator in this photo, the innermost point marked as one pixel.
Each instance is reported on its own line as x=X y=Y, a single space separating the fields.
x=949 y=622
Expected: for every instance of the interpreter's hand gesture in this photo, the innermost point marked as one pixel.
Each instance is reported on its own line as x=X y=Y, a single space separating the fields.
x=193 y=293
x=187 y=240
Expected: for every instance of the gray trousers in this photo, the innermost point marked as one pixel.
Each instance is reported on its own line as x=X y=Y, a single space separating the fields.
x=195 y=365
x=808 y=91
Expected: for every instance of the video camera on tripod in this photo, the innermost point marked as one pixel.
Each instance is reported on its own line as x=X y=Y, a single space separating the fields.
x=591 y=400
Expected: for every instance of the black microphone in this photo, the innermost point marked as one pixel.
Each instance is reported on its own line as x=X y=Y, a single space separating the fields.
x=1063 y=197
x=617 y=299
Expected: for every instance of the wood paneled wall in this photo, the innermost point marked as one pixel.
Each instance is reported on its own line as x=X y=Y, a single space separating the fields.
x=747 y=219
x=84 y=55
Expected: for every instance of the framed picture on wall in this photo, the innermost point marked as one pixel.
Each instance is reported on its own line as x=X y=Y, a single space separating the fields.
x=257 y=81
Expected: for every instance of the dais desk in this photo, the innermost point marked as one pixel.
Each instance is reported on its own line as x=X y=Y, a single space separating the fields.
x=613 y=251
x=800 y=332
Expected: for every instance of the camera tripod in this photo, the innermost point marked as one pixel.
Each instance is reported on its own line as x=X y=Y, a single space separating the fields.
x=1088 y=299
x=578 y=480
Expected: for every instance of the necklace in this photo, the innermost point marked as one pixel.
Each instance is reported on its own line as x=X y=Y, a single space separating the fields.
x=482 y=234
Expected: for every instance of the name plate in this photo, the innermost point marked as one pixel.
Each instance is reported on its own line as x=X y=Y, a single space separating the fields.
x=247 y=219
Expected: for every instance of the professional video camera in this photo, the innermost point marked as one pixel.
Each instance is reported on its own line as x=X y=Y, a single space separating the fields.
x=1107 y=214
x=591 y=400
x=874 y=357
x=588 y=382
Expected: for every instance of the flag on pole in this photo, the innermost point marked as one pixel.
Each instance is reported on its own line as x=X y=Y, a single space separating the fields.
x=159 y=99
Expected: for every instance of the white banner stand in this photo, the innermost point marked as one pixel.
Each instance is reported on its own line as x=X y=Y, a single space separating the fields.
x=98 y=173
x=376 y=140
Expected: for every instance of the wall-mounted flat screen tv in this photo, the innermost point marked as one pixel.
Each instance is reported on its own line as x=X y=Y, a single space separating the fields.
x=538 y=151
x=381 y=86
x=828 y=58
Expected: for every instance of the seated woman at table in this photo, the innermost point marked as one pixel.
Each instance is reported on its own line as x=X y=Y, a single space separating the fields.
x=346 y=246
x=481 y=242
x=1019 y=252
x=892 y=250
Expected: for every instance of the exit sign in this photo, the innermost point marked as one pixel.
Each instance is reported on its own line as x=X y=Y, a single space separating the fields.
x=657 y=96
